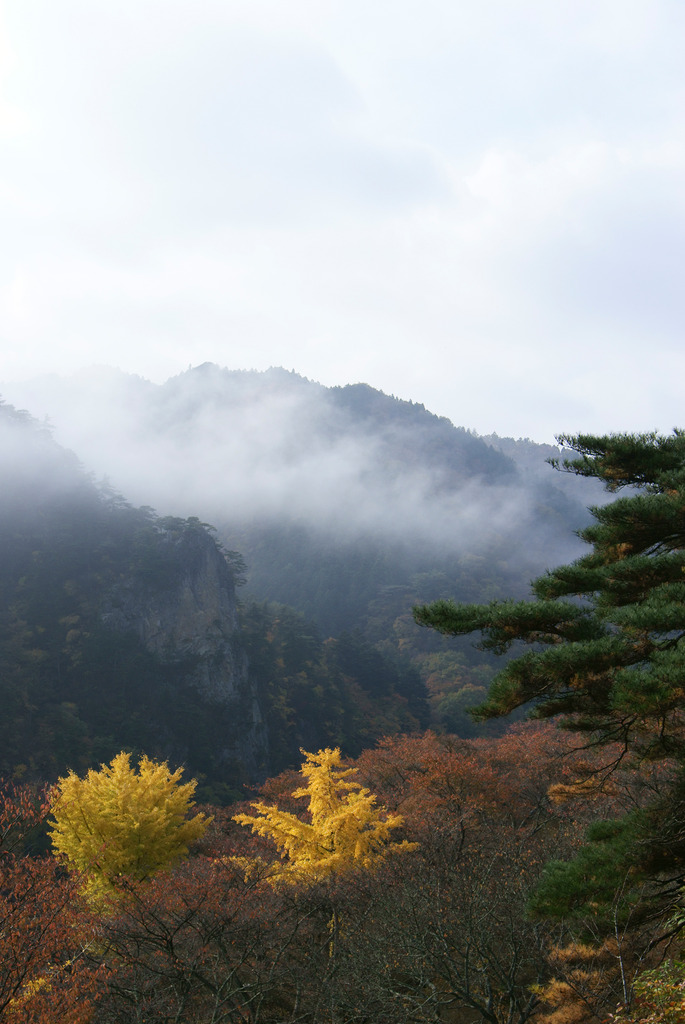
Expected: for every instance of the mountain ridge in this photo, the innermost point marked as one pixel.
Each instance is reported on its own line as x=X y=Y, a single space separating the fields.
x=348 y=505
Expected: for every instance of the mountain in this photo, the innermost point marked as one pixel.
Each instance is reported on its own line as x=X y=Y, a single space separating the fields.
x=120 y=628
x=344 y=467
x=347 y=505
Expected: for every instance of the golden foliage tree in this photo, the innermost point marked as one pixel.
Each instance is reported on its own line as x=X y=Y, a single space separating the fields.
x=119 y=822
x=346 y=829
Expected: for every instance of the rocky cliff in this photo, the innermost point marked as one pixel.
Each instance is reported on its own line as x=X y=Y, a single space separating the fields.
x=187 y=617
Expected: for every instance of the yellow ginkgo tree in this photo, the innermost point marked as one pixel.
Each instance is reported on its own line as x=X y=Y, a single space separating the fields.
x=345 y=829
x=122 y=822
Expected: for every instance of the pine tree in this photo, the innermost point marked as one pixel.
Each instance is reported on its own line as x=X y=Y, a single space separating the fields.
x=606 y=630
x=606 y=638
x=119 y=822
x=345 y=829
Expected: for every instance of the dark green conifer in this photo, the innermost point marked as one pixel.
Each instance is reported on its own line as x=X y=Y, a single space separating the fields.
x=605 y=635
x=605 y=631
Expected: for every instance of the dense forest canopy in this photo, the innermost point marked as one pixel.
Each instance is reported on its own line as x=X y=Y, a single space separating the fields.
x=430 y=925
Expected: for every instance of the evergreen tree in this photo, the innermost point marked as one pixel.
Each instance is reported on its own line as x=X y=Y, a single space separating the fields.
x=606 y=642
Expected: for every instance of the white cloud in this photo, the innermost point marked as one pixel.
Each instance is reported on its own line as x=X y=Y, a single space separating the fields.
x=461 y=203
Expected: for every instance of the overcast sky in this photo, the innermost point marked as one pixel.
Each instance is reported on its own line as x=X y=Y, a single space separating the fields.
x=475 y=204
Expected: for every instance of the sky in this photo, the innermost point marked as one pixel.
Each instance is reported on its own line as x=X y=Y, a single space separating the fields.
x=478 y=205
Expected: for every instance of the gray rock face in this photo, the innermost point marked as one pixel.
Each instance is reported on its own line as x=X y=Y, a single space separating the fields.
x=186 y=613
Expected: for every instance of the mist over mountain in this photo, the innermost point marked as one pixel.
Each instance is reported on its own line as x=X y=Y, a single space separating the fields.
x=242 y=448
x=346 y=504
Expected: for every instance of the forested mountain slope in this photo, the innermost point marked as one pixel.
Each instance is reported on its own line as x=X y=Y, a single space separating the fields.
x=117 y=628
x=347 y=504
x=120 y=628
